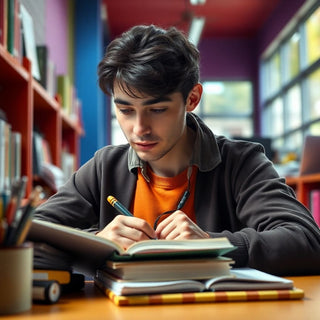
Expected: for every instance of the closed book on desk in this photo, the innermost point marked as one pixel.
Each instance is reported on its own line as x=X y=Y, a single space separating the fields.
x=169 y=269
x=90 y=252
x=205 y=297
x=241 y=285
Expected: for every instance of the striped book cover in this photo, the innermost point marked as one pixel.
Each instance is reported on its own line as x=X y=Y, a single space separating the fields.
x=202 y=297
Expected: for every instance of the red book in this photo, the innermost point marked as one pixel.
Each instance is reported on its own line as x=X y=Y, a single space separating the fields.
x=17 y=38
x=3 y=23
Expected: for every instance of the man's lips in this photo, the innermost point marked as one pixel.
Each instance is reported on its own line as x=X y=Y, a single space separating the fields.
x=144 y=145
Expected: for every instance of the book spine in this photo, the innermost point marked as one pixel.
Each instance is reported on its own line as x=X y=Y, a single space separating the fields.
x=3 y=22
x=7 y=156
x=2 y=154
x=16 y=140
x=315 y=205
x=42 y=53
x=17 y=37
x=10 y=26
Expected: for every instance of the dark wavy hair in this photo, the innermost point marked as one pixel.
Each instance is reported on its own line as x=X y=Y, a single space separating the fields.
x=150 y=60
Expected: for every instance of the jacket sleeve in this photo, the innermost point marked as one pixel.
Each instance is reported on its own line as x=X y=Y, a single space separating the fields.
x=271 y=229
x=82 y=201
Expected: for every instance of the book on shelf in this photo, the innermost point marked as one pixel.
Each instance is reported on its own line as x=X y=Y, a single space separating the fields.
x=51 y=78
x=64 y=90
x=90 y=252
x=71 y=104
x=42 y=54
x=315 y=205
x=10 y=155
x=3 y=23
x=68 y=163
x=243 y=284
x=16 y=145
x=41 y=152
x=3 y=154
x=47 y=70
x=29 y=43
x=7 y=155
x=10 y=25
x=43 y=167
x=17 y=41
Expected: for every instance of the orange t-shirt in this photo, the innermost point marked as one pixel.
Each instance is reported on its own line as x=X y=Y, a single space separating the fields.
x=162 y=194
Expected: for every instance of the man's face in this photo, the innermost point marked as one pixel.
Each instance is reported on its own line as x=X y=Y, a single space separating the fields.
x=154 y=127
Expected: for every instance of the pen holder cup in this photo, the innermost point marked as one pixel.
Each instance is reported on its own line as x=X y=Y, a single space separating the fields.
x=16 y=265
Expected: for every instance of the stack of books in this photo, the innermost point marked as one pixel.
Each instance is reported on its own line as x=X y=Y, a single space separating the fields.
x=163 y=271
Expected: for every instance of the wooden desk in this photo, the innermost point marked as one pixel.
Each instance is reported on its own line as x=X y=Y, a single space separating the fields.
x=92 y=304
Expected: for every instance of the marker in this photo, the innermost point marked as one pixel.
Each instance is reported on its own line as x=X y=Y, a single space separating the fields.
x=119 y=207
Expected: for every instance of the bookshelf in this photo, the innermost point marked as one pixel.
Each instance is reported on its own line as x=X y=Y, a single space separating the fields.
x=27 y=105
x=303 y=185
x=307 y=189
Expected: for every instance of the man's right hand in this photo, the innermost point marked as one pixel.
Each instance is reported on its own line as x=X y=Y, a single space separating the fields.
x=127 y=230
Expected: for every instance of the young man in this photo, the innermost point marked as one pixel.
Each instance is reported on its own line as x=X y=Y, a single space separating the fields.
x=231 y=188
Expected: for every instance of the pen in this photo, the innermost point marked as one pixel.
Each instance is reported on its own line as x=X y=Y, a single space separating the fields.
x=17 y=192
x=18 y=232
x=119 y=207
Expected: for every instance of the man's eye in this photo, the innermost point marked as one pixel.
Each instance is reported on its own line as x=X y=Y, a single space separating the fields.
x=158 y=110
x=125 y=111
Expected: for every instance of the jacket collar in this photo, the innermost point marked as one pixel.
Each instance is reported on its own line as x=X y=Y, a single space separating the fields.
x=206 y=154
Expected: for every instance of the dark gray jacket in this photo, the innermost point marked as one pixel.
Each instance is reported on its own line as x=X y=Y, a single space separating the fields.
x=238 y=195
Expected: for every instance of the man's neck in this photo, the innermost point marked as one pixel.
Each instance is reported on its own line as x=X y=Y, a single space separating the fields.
x=176 y=161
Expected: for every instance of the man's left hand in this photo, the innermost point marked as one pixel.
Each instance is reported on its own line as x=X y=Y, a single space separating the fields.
x=178 y=226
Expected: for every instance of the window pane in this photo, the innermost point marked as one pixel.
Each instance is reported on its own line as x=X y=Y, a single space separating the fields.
x=313 y=84
x=272 y=125
x=230 y=127
x=228 y=98
x=294 y=116
x=291 y=61
x=275 y=123
x=315 y=129
x=294 y=142
x=313 y=36
x=274 y=73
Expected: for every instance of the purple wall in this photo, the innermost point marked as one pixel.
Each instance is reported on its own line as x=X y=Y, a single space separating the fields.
x=234 y=57
x=277 y=21
x=238 y=58
x=57 y=34
x=227 y=58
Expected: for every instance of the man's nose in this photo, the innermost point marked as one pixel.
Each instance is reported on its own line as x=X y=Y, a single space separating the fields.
x=141 y=125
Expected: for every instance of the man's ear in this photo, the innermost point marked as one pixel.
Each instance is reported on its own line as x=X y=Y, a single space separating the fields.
x=194 y=97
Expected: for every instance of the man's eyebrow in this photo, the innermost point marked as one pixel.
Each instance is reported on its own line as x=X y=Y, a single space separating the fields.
x=145 y=103
x=120 y=101
x=157 y=100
